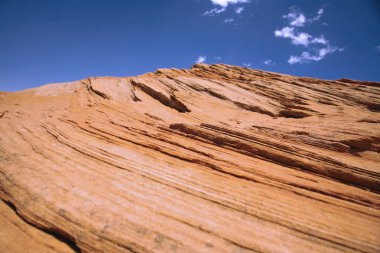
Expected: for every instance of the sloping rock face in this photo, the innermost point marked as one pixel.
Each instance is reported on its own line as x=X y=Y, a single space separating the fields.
x=212 y=159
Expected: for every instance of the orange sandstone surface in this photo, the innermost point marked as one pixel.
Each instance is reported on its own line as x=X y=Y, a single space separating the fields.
x=216 y=158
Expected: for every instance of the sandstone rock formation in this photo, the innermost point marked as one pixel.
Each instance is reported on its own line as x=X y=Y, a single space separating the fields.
x=212 y=159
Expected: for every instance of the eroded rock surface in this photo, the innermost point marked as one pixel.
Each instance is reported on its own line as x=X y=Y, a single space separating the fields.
x=212 y=159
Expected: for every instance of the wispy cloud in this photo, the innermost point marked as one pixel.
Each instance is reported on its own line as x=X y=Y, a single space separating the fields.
x=318 y=16
x=269 y=62
x=307 y=57
x=295 y=18
x=228 y=20
x=239 y=10
x=225 y=3
x=201 y=59
x=222 y=6
x=377 y=48
x=296 y=38
x=320 y=45
x=214 y=11
x=248 y=65
x=320 y=40
x=299 y=38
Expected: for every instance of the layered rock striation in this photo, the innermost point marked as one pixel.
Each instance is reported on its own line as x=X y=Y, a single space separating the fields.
x=216 y=158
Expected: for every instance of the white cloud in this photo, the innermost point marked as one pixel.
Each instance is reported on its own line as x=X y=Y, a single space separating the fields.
x=247 y=65
x=228 y=20
x=319 y=46
x=201 y=59
x=295 y=18
x=377 y=48
x=319 y=15
x=225 y=3
x=269 y=62
x=239 y=10
x=214 y=11
x=307 y=57
x=303 y=39
x=320 y=40
x=298 y=19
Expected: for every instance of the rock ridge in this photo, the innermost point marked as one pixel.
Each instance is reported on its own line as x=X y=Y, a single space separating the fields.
x=215 y=158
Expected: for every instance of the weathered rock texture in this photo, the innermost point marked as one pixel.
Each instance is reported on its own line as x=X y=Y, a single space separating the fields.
x=212 y=159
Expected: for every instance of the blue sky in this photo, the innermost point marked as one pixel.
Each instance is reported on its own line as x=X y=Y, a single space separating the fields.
x=45 y=41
